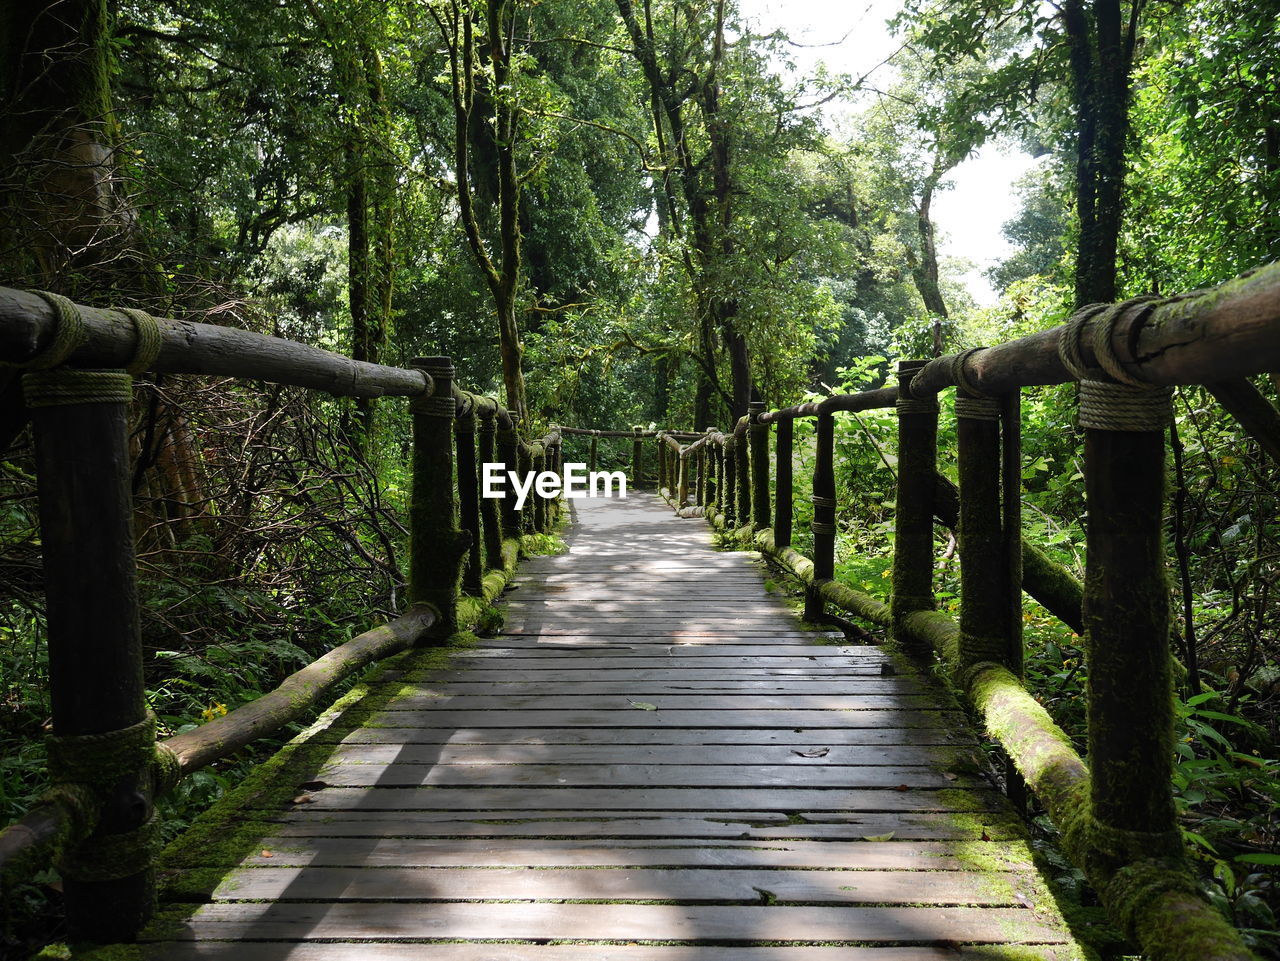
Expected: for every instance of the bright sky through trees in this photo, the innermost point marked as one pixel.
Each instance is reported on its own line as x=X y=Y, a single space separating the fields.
x=852 y=38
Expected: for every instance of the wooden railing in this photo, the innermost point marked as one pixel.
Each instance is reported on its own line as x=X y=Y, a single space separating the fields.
x=97 y=822
x=1116 y=815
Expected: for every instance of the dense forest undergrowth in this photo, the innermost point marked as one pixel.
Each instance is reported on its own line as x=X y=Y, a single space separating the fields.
x=613 y=214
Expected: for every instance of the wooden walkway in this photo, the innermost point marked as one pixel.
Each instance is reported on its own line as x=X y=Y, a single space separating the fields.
x=655 y=762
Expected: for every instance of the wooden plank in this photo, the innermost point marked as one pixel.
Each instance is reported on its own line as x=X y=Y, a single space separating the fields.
x=572 y=852
x=826 y=755
x=560 y=606
x=675 y=718
x=591 y=680
x=653 y=682
x=648 y=798
x=689 y=886
x=536 y=659
x=400 y=775
x=708 y=632
x=708 y=701
x=704 y=923
x=402 y=951
x=529 y=734
x=736 y=654
x=763 y=825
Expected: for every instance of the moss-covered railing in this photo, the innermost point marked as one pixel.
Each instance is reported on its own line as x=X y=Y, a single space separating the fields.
x=74 y=365
x=1116 y=815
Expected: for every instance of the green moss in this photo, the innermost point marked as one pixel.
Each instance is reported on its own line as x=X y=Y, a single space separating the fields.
x=1155 y=902
x=549 y=544
x=109 y=952
x=229 y=830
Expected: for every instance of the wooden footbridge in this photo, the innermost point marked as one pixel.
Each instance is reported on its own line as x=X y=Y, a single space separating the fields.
x=656 y=759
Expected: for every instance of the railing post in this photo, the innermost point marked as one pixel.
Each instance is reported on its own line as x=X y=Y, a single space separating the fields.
x=538 y=465
x=913 y=524
x=783 y=484
x=592 y=454
x=729 y=466
x=715 y=477
x=988 y=462
x=663 y=481
x=103 y=736
x=700 y=481
x=682 y=485
x=742 y=469
x=759 y=436
x=986 y=628
x=528 y=513
x=1126 y=621
x=489 y=506
x=637 y=457
x=464 y=432
x=558 y=501
x=509 y=455
x=436 y=546
x=824 y=516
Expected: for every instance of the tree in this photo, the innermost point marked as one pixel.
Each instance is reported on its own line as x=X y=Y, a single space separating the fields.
x=483 y=75
x=1098 y=39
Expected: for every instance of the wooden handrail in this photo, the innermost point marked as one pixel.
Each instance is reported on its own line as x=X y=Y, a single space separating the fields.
x=28 y=324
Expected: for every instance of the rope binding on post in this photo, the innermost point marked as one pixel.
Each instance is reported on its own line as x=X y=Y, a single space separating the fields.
x=1110 y=397
x=98 y=759
x=149 y=341
x=65 y=386
x=915 y=405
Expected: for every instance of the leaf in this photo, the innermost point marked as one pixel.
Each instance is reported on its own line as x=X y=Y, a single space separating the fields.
x=303 y=799
x=813 y=752
x=949 y=775
x=903 y=787
x=267 y=854
x=1257 y=858
x=878 y=837
x=643 y=705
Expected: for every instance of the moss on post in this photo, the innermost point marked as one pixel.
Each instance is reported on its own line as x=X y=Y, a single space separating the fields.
x=985 y=626
x=538 y=464
x=913 y=523
x=729 y=466
x=464 y=433
x=509 y=456
x=783 y=483
x=700 y=475
x=824 y=515
x=527 y=514
x=436 y=546
x=711 y=492
x=758 y=433
x=742 y=470
x=637 y=457
x=1126 y=620
x=489 y=506
x=682 y=483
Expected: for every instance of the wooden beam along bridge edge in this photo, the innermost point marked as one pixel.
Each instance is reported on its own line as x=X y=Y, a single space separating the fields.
x=1116 y=816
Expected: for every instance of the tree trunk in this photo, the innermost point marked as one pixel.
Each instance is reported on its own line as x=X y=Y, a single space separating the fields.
x=58 y=177
x=1101 y=55
x=926 y=273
